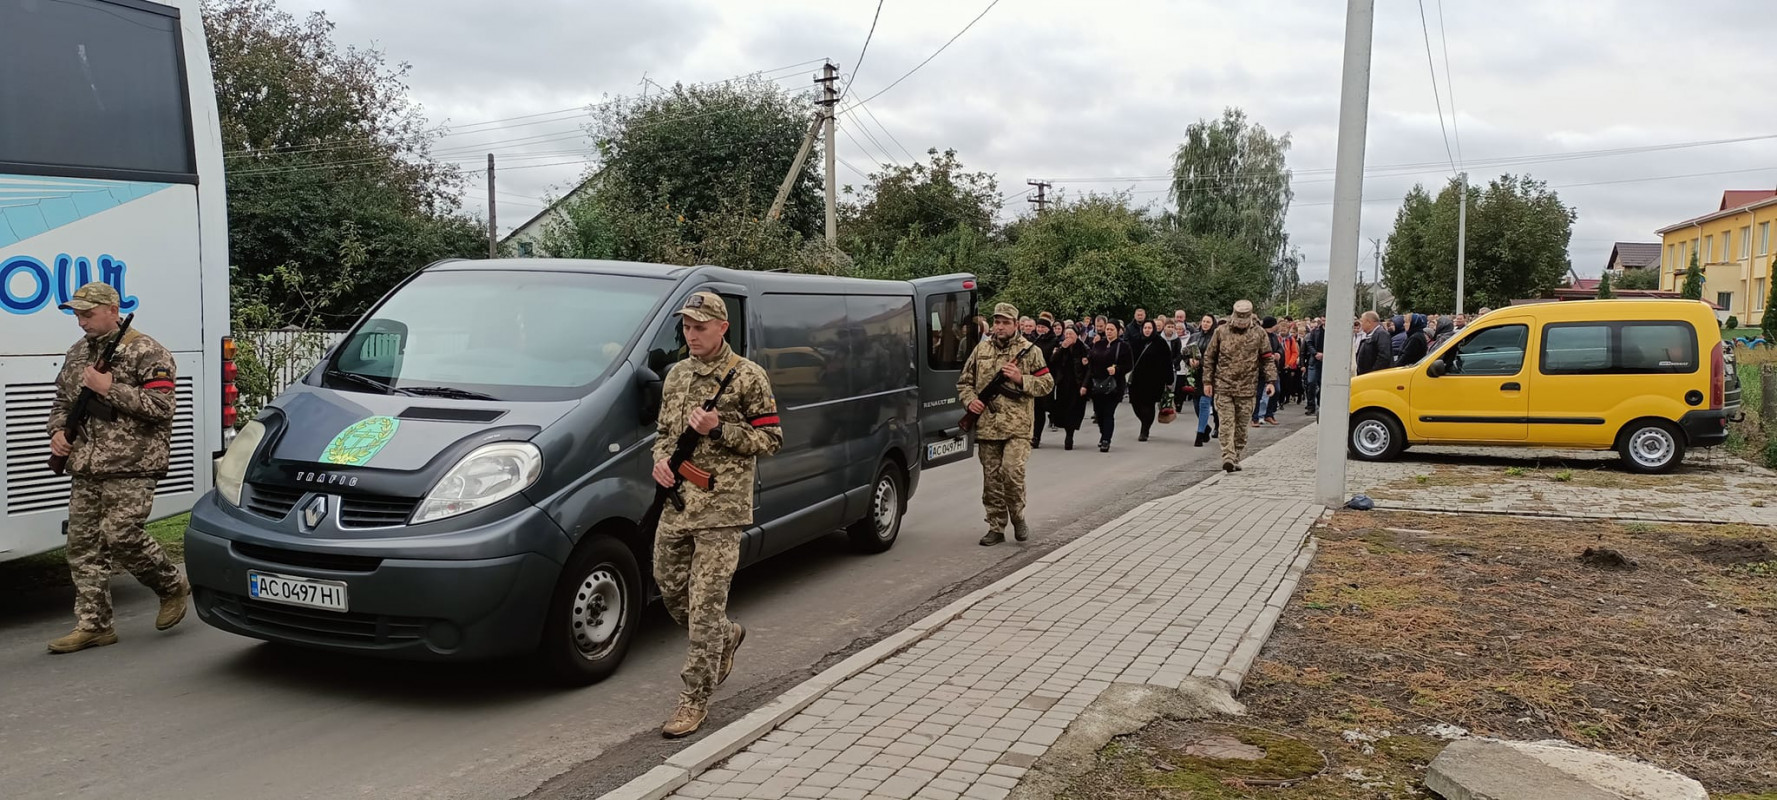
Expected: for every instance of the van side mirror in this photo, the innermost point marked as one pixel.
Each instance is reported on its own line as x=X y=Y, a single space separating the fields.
x=1438 y=369
x=651 y=384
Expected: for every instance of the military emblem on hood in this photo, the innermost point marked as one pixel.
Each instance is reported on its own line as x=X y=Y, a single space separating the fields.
x=360 y=441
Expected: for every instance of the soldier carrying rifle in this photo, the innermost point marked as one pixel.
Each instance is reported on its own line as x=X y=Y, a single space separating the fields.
x=998 y=385
x=697 y=545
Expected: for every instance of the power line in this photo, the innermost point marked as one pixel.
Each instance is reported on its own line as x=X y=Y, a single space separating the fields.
x=859 y=62
x=1449 y=82
x=929 y=58
x=1436 y=99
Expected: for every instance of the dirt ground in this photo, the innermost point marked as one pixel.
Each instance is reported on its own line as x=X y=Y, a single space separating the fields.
x=1659 y=644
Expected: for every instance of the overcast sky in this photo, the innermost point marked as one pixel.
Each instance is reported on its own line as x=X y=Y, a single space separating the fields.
x=1073 y=90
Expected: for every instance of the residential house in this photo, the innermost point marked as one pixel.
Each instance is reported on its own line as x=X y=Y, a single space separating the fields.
x=525 y=240
x=1733 y=245
x=1626 y=256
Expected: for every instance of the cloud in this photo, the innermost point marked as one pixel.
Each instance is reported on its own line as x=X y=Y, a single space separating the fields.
x=1059 y=89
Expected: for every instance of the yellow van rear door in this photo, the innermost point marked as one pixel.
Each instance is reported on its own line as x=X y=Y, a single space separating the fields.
x=1482 y=395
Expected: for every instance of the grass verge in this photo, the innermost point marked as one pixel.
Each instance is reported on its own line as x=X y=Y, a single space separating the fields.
x=1409 y=623
x=49 y=570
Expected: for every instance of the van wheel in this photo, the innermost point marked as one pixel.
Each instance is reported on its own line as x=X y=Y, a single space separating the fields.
x=876 y=532
x=1376 y=436
x=1651 y=446
x=593 y=613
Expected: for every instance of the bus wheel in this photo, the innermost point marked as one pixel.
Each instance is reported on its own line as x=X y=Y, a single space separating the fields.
x=877 y=531
x=593 y=613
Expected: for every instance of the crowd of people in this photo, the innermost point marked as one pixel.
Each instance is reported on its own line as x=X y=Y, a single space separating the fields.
x=1156 y=365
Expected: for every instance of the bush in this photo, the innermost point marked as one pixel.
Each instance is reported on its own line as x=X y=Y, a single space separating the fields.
x=1733 y=322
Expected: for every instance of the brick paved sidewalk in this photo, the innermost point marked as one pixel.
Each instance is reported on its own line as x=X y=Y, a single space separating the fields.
x=1185 y=586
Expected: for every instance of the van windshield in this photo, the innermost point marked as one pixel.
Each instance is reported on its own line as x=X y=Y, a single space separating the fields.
x=500 y=335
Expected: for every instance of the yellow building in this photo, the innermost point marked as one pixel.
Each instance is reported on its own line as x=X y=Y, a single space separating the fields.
x=1733 y=243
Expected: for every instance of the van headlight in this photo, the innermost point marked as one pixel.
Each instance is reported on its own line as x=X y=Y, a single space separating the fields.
x=487 y=475
x=231 y=471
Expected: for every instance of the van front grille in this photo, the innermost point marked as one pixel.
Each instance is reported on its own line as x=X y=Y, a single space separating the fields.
x=299 y=558
x=31 y=487
x=334 y=627
x=271 y=502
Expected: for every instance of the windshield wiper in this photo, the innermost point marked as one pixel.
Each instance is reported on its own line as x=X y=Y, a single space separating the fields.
x=361 y=380
x=447 y=391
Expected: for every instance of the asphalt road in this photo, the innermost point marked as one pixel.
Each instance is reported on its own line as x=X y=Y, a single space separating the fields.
x=197 y=713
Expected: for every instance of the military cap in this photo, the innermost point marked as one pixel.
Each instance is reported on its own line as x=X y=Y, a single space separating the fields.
x=91 y=296
x=704 y=307
x=1243 y=308
x=1006 y=310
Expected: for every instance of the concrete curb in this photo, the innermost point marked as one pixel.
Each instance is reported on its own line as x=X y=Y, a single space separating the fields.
x=687 y=764
x=1247 y=652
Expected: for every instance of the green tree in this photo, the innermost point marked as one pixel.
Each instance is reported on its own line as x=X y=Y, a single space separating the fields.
x=1092 y=255
x=922 y=200
x=1693 y=281
x=1518 y=232
x=1768 y=323
x=1308 y=300
x=1231 y=179
x=1639 y=279
x=324 y=155
x=1209 y=273
x=718 y=149
x=1604 y=290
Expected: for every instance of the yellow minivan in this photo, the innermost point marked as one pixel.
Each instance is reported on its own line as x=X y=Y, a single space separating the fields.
x=1647 y=378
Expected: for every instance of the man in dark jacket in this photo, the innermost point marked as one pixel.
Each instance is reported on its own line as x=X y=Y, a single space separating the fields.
x=1046 y=342
x=1375 y=351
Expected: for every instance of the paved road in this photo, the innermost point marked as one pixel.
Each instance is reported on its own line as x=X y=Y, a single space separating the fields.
x=196 y=713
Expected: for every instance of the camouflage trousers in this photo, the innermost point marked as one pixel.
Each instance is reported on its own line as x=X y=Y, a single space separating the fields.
x=105 y=528
x=694 y=569
x=1002 y=479
x=1235 y=413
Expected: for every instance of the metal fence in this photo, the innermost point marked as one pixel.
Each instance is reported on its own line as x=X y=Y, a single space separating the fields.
x=285 y=355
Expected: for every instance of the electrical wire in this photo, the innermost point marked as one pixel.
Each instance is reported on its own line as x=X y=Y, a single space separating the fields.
x=1449 y=84
x=858 y=64
x=929 y=58
x=1436 y=100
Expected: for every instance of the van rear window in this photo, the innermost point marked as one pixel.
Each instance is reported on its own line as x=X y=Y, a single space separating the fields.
x=1619 y=348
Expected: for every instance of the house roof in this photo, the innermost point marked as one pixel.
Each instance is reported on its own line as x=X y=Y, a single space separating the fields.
x=1733 y=201
x=1635 y=255
x=1586 y=284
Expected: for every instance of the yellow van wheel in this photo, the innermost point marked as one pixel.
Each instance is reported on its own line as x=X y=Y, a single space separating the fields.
x=1375 y=436
x=1651 y=446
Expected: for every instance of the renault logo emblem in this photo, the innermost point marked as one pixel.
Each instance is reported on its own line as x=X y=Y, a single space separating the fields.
x=314 y=512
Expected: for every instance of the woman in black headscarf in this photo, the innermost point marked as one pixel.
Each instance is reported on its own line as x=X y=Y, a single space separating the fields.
x=1069 y=367
x=1150 y=375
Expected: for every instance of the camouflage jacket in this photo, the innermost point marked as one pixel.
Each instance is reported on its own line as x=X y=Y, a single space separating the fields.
x=1012 y=414
x=750 y=428
x=137 y=439
x=1233 y=360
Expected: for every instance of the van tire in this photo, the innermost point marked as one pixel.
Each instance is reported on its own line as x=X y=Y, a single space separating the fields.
x=1650 y=446
x=584 y=637
x=881 y=525
x=1375 y=436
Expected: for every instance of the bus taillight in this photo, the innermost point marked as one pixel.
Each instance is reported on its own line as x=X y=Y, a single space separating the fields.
x=231 y=394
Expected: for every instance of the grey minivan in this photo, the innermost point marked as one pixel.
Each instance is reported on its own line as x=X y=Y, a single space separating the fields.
x=466 y=475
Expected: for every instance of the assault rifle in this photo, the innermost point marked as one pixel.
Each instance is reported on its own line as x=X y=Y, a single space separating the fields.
x=680 y=462
x=995 y=389
x=83 y=405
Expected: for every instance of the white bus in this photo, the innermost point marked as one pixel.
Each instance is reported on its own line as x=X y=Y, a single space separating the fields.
x=110 y=169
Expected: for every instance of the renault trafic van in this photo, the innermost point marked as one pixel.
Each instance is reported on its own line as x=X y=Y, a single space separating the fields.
x=466 y=475
x=1647 y=378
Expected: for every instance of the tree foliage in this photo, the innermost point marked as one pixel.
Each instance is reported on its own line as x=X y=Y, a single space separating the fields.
x=1231 y=180
x=1518 y=232
x=1095 y=255
x=922 y=202
x=1604 y=290
x=325 y=155
x=1693 y=281
x=1768 y=323
x=1639 y=279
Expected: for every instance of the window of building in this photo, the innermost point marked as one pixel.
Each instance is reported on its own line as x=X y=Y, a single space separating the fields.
x=1764 y=238
x=1746 y=242
x=1708 y=251
x=1696 y=251
x=525 y=250
x=952 y=330
x=1725 y=300
x=1758 y=294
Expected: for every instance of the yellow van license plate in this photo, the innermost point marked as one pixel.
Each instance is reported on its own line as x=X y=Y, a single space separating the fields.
x=294 y=591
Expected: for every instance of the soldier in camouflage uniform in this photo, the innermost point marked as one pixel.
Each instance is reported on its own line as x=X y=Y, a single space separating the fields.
x=1232 y=362
x=121 y=452
x=697 y=550
x=1002 y=435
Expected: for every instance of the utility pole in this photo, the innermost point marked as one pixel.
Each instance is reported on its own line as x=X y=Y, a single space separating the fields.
x=1041 y=201
x=493 y=230
x=830 y=101
x=783 y=190
x=1374 y=305
x=1348 y=202
x=1461 y=241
